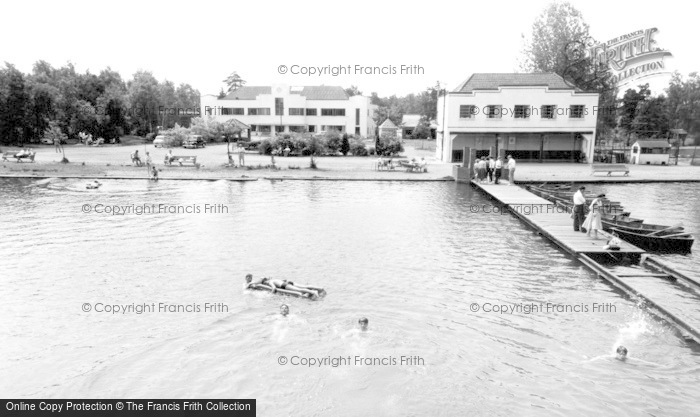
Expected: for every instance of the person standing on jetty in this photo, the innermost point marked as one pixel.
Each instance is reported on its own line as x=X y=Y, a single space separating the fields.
x=498 y=169
x=593 y=222
x=511 y=170
x=579 y=204
x=491 y=167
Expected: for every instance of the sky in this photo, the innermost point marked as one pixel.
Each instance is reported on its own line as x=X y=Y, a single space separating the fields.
x=201 y=43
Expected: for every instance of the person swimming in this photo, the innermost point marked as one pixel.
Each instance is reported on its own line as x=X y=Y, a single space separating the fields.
x=364 y=323
x=621 y=353
x=275 y=284
x=284 y=310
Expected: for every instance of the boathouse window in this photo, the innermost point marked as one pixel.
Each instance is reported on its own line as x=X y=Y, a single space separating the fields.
x=279 y=106
x=493 y=111
x=311 y=112
x=311 y=128
x=332 y=112
x=230 y=111
x=547 y=111
x=279 y=129
x=458 y=156
x=576 y=111
x=264 y=129
x=262 y=111
x=521 y=112
x=296 y=111
x=467 y=111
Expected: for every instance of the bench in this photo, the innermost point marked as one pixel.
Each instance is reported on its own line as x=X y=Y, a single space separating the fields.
x=29 y=156
x=414 y=167
x=180 y=160
x=609 y=168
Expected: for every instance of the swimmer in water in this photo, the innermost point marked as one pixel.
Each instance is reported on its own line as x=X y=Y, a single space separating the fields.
x=284 y=310
x=275 y=284
x=363 y=323
x=621 y=353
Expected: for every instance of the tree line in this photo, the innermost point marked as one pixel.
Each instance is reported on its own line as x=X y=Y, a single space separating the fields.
x=558 y=43
x=103 y=105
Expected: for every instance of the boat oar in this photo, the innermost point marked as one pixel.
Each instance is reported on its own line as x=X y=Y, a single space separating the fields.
x=675 y=226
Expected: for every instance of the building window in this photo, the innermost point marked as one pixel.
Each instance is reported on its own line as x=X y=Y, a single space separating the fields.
x=297 y=129
x=357 y=130
x=332 y=112
x=231 y=111
x=521 y=111
x=332 y=128
x=548 y=111
x=576 y=111
x=296 y=111
x=493 y=111
x=264 y=129
x=279 y=129
x=279 y=106
x=467 y=111
x=458 y=156
x=253 y=128
x=311 y=112
x=312 y=128
x=262 y=111
x=357 y=117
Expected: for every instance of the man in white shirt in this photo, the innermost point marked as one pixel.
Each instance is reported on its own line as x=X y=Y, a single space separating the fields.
x=491 y=167
x=497 y=169
x=511 y=170
x=579 y=204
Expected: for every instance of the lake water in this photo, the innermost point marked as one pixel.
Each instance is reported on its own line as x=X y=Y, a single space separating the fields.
x=410 y=257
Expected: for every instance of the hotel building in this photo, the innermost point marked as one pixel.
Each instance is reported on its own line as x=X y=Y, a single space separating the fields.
x=534 y=117
x=282 y=109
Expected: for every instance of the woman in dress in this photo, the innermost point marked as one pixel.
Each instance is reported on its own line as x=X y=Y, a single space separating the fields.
x=593 y=222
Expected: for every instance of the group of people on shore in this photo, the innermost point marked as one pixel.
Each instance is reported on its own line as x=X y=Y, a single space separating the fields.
x=487 y=167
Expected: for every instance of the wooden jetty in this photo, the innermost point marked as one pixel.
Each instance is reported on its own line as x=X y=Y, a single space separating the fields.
x=556 y=224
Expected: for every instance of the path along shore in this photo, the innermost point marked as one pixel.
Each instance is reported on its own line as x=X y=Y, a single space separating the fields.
x=111 y=161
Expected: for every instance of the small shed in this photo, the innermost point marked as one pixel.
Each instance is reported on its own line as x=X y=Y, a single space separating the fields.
x=650 y=152
x=388 y=129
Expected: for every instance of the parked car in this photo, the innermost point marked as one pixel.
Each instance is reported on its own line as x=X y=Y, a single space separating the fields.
x=194 y=141
x=159 y=141
x=47 y=141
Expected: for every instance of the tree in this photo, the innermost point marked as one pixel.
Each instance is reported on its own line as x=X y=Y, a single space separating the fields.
x=143 y=93
x=628 y=108
x=353 y=91
x=651 y=119
x=234 y=81
x=683 y=103
x=559 y=43
x=14 y=106
x=56 y=135
x=345 y=145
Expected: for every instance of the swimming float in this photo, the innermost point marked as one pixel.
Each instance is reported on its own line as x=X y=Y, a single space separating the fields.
x=260 y=287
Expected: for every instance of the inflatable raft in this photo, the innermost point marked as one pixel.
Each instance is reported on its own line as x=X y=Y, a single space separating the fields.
x=92 y=185
x=260 y=287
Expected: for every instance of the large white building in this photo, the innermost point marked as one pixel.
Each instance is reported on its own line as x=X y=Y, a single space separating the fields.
x=534 y=117
x=282 y=109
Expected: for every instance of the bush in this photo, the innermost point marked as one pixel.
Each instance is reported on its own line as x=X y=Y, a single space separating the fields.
x=345 y=145
x=333 y=142
x=315 y=146
x=265 y=147
x=357 y=147
x=176 y=136
x=389 y=146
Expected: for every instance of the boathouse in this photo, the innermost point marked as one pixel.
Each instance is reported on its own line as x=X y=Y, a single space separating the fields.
x=534 y=117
